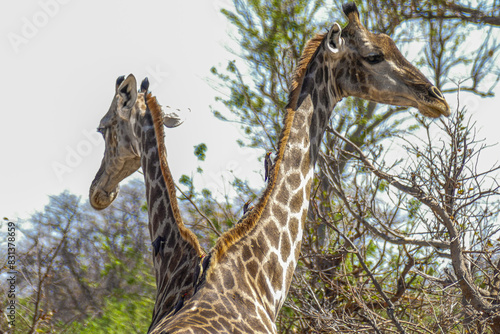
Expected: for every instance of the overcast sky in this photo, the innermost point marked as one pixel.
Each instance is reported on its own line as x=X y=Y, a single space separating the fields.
x=60 y=60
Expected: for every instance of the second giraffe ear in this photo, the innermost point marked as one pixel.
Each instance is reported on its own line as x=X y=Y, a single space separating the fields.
x=127 y=93
x=171 y=118
x=334 y=41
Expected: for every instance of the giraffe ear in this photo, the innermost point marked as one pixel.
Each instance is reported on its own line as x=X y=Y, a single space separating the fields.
x=334 y=42
x=127 y=93
x=171 y=118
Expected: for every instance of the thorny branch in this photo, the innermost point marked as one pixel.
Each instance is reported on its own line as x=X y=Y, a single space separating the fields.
x=199 y=211
x=444 y=208
x=44 y=274
x=397 y=238
x=390 y=305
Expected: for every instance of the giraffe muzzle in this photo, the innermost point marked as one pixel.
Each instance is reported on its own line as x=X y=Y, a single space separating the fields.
x=431 y=103
x=100 y=199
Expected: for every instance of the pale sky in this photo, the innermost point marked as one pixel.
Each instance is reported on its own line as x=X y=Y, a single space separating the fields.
x=60 y=60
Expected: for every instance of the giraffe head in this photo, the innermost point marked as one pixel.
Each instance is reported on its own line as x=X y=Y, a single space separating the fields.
x=370 y=66
x=121 y=128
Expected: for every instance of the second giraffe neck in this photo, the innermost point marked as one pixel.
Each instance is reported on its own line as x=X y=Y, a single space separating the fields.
x=174 y=278
x=159 y=206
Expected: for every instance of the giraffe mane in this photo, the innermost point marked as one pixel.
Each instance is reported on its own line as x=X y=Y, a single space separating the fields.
x=309 y=52
x=157 y=115
x=235 y=234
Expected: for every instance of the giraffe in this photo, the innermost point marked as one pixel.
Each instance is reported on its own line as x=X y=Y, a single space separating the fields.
x=250 y=268
x=134 y=137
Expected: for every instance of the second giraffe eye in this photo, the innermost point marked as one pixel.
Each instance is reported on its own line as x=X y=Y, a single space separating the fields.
x=374 y=58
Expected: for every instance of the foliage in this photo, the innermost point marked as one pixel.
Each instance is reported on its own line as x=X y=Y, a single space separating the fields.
x=74 y=259
x=126 y=314
x=200 y=151
x=272 y=33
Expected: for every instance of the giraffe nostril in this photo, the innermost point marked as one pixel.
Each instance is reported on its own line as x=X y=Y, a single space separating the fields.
x=435 y=92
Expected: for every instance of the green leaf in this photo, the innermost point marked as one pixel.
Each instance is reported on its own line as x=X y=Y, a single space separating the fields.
x=200 y=151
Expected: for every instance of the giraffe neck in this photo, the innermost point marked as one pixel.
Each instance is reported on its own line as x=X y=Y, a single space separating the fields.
x=174 y=273
x=283 y=218
x=262 y=251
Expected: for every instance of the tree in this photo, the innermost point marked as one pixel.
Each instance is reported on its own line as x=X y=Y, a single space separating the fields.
x=431 y=224
x=78 y=264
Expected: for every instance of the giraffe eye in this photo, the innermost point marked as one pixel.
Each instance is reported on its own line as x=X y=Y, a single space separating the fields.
x=101 y=130
x=374 y=58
